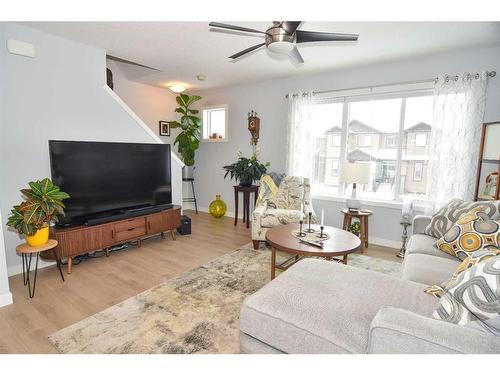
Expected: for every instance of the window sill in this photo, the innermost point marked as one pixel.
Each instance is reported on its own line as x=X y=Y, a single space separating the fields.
x=214 y=140
x=397 y=205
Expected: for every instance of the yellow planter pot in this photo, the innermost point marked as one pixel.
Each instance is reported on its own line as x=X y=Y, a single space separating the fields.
x=41 y=237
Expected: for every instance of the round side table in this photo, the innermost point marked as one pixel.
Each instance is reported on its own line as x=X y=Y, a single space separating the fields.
x=362 y=216
x=27 y=252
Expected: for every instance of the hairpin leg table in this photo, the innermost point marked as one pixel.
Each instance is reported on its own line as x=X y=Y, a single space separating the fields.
x=27 y=252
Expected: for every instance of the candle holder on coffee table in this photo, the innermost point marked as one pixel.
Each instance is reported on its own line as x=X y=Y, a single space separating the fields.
x=309 y=229
x=321 y=234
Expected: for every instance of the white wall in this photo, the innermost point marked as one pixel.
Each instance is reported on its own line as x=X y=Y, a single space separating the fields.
x=267 y=98
x=150 y=103
x=57 y=95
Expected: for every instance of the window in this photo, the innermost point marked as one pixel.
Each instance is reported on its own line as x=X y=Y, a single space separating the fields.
x=335 y=140
x=421 y=139
x=390 y=141
x=417 y=171
x=365 y=141
x=215 y=123
x=327 y=120
x=335 y=167
x=377 y=117
x=388 y=131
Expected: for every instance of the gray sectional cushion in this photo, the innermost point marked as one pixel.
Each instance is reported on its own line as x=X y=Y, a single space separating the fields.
x=323 y=307
x=250 y=345
x=424 y=244
x=448 y=215
x=428 y=269
x=399 y=331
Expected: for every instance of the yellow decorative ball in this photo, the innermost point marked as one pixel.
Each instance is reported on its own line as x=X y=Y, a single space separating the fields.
x=217 y=208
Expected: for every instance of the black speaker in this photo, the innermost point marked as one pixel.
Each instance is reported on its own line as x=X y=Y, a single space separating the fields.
x=185 y=227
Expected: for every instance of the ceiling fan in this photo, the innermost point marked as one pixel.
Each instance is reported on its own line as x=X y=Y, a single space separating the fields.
x=283 y=36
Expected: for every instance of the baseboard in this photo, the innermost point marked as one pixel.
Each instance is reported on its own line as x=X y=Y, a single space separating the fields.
x=374 y=240
x=5 y=299
x=384 y=242
x=190 y=206
x=18 y=268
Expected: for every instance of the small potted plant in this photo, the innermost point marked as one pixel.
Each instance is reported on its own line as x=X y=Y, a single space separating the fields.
x=246 y=170
x=42 y=205
x=355 y=228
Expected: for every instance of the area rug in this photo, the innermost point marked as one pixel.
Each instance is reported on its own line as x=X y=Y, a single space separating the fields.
x=196 y=312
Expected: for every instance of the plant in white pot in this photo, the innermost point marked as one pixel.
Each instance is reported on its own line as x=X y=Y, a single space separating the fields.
x=188 y=139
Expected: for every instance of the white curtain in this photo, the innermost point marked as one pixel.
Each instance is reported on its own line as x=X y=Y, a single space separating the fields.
x=300 y=139
x=459 y=103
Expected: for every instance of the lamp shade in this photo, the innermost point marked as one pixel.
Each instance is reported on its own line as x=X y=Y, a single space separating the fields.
x=358 y=173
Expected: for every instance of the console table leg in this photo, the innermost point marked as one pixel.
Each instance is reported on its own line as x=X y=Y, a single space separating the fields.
x=70 y=265
x=273 y=263
x=162 y=234
x=344 y=259
x=172 y=232
x=362 y=235
x=58 y=262
x=236 y=207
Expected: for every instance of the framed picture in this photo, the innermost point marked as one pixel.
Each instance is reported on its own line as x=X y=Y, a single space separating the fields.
x=488 y=171
x=165 y=128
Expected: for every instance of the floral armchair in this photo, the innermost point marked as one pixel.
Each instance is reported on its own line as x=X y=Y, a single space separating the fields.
x=282 y=207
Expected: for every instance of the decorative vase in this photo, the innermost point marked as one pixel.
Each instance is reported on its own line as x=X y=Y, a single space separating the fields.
x=217 y=208
x=41 y=237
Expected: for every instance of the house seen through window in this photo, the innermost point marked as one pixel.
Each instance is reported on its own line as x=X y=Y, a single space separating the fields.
x=391 y=134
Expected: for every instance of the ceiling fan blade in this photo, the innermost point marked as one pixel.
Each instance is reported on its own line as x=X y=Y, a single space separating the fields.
x=313 y=36
x=234 y=27
x=119 y=59
x=250 y=49
x=296 y=56
x=290 y=26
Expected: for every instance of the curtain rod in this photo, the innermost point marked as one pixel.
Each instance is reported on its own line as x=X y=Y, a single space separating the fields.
x=489 y=74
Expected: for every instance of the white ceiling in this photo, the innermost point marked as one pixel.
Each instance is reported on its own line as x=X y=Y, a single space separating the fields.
x=181 y=50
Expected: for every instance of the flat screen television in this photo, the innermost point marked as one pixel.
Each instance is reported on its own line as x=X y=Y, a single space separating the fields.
x=107 y=178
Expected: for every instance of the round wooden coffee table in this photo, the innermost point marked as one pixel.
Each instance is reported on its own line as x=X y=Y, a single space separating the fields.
x=340 y=244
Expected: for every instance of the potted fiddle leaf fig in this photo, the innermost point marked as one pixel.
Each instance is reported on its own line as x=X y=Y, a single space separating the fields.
x=246 y=170
x=188 y=139
x=42 y=205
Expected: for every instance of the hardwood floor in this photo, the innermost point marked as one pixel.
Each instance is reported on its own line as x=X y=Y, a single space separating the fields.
x=96 y=284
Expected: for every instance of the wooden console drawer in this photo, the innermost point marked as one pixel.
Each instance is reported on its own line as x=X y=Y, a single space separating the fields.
x=130 y=233
x=130 y=223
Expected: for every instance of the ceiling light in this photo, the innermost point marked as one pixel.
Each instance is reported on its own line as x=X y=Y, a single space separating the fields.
x=177 y=87
x=201 y=77
x=281 y=47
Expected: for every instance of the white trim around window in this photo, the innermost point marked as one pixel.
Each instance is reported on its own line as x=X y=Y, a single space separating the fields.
x=337 y=193
x=204 y=130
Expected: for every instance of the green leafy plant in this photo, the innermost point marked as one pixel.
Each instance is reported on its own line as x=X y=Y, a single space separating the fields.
x=188 y=139
x=355 y=228
x=246 y=170
x=42 y=205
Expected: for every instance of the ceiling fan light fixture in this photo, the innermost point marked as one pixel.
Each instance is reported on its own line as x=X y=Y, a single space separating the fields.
x=177 y=87
x=281 y=47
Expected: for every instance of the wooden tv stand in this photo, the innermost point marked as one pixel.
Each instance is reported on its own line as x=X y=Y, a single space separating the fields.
x=85 y=239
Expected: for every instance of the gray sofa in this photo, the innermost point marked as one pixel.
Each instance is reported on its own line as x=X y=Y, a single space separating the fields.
x=323 y=307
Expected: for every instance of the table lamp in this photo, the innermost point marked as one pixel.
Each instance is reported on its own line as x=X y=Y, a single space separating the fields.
x=355 y=173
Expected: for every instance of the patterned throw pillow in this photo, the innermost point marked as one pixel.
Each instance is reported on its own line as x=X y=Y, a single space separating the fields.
x=448 y=215
x=290 y=194
x=473 y=299
x=473 y=231
x=473 y=259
